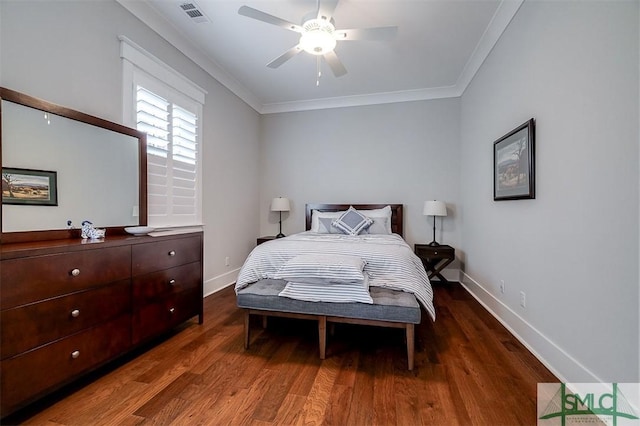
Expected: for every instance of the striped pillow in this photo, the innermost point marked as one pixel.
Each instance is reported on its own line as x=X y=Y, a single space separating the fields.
x=322 y=268
x=352 y=222
x=335 y=293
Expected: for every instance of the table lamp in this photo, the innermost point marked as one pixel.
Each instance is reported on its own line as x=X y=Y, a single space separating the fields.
x=280 y=204
x=434 y=208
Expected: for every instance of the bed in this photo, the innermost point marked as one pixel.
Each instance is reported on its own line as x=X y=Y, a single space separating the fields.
x=396 y=287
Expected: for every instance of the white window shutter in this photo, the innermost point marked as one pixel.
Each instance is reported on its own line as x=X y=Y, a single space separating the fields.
x=172 y=159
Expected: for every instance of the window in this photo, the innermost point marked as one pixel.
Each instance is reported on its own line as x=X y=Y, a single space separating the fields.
x=168 y=110
x=172 y=158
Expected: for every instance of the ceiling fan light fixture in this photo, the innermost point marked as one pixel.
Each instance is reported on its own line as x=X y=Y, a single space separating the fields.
x=317 y=36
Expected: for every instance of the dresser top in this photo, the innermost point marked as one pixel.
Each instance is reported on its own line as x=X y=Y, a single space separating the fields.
x=36 y=248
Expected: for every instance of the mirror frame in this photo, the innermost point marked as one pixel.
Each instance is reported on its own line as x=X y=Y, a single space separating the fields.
x=55 y=234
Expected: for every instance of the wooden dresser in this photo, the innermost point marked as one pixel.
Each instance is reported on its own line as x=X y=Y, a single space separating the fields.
x=68 y=307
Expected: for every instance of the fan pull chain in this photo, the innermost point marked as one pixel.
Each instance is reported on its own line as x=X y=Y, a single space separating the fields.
x=319 y=74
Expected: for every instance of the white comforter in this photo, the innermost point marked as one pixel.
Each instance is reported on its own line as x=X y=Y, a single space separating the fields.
x=390 y=261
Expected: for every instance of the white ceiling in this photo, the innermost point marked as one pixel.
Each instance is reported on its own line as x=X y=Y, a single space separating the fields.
x=439 y=46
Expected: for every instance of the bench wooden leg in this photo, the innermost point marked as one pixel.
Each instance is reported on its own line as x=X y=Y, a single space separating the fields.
x=410 y=345
x=322 y=334
x=246 y=329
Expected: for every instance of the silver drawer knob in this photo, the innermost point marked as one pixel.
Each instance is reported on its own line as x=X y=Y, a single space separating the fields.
x=75 y=313
x=75 y=354
x=435 y=252
x=172 y=282
x=75 y=272
x=172 y=253
x=172 y=310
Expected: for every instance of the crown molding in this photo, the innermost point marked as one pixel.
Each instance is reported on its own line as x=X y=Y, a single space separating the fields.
x=362 y=100
x=505 y=12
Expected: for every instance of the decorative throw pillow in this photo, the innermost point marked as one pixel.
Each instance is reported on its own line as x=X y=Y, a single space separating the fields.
x=352 y=222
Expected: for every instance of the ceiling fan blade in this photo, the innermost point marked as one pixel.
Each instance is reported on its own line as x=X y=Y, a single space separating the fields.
x=326 y=8
x=334 y=63
x=375 y=34
x=285 y=57
x=250 y=12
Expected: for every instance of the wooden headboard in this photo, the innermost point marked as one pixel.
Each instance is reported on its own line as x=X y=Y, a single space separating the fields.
x=396 y=213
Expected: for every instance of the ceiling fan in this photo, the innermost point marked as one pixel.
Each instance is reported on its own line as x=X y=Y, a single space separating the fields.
x=318 y=35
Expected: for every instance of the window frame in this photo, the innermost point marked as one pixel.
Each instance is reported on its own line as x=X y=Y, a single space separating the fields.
x=142 y=68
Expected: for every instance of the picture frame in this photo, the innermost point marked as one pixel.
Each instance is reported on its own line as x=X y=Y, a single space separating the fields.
x=514 y=164
x=29 y=187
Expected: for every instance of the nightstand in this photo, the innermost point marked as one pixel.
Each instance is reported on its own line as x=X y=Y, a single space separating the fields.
x=265 y=239
x=435 y=258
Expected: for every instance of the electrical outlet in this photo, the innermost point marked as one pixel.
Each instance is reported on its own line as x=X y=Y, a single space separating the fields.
x=523 y=299
x=502 y=286
x=226 y=261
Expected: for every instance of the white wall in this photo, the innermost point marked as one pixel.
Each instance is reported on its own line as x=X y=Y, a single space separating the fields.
x=68 y=53
x=573 y=66
x=395 y=153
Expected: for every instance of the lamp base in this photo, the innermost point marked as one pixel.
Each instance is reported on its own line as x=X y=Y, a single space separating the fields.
x=280 y=235
x=433 y=243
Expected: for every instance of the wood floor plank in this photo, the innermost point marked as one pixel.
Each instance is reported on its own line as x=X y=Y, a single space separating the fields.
x=361 y=408
x=167 y=395
x=313 y=411
x=468 y=370
x=290 y=409
x=384 y=390
x=288 y=365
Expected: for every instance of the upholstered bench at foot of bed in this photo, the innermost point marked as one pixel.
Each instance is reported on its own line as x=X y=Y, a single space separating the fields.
x=390 y=308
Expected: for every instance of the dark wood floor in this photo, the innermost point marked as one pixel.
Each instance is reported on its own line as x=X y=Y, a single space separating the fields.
x=469 y=370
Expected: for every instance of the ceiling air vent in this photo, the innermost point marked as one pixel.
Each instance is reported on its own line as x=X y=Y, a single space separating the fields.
x=193 y=12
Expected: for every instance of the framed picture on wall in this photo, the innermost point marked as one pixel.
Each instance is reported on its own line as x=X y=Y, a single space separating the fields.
x=514 y=164
x=29 y=187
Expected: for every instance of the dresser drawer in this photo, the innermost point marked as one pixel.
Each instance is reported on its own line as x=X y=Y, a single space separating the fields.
x=32 y=325
x=149 y=287
x=151 y=257
x=42 y=277
x=30 y=375
x=434 y=252
x=153 y=319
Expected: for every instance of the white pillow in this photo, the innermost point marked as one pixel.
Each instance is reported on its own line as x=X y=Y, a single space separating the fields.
x=383 y=213
x=379 y=226
x=325 y=226
x=315 y=214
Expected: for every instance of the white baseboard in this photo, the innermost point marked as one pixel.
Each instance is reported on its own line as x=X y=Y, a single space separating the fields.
x=451 y=274
x=551 y=355
x=215 y=284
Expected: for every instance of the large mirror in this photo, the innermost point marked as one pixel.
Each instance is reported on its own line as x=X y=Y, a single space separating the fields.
x=60 y=166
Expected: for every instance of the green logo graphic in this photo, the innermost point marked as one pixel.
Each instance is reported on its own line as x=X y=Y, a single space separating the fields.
x=590 y=406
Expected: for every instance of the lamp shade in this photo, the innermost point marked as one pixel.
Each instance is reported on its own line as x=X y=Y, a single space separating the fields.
x=280 y=204
x=434 y=208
